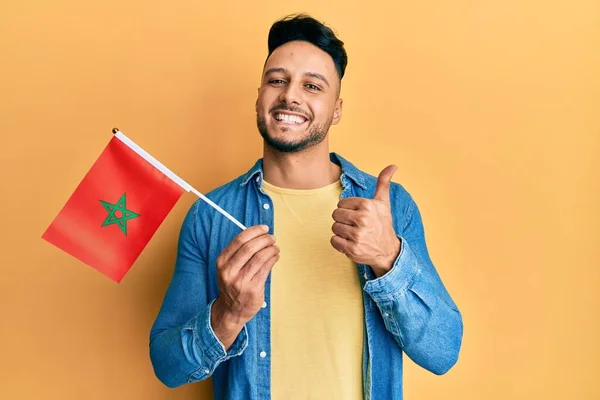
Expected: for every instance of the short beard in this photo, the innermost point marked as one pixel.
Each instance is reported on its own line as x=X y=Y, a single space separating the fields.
x=315 y=136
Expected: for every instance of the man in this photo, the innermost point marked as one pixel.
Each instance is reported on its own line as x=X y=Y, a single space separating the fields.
x=330 y=283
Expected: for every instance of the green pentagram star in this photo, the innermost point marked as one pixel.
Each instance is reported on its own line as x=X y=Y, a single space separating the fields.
x=125 y=214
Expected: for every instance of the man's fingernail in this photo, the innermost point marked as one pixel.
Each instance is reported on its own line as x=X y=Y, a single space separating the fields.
x=265 y=228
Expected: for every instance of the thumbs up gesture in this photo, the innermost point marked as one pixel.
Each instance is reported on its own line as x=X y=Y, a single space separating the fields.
x=363 y=227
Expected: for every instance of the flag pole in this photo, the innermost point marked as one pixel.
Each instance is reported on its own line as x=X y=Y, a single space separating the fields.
x=158 y=165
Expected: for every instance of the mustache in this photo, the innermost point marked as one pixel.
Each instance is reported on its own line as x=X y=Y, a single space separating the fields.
x=283 y=107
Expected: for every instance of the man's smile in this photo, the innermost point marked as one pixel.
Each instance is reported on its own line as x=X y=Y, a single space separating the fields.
x=289 y=119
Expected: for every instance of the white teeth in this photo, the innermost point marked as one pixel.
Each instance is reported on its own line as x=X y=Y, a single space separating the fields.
x=289 y=118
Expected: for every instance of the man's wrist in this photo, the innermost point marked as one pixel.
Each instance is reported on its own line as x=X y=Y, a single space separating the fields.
x=225 y=325
x=388 y=264
x=221 y=315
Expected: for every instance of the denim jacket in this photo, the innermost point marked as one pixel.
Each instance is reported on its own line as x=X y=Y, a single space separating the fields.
x=407 y=310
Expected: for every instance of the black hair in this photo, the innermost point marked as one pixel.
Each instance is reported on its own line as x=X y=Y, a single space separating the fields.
x=306 y=28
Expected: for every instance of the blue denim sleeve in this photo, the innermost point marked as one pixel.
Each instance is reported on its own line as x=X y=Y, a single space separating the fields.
x=415 y=305
x=183 y=345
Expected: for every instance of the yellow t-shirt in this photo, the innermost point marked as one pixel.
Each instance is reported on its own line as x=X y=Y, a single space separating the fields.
x=316 y=302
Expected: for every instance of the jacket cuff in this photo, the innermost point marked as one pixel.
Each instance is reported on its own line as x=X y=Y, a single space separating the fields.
x=214 y=350
x=398 y=279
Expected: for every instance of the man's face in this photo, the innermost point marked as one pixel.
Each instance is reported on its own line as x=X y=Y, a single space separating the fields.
x=298 y=98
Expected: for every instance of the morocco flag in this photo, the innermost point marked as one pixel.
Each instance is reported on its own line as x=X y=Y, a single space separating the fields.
x=116 y=209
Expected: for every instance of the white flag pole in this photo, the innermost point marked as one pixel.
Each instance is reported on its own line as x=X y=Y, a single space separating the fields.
x=158 y=165
x=216 y=207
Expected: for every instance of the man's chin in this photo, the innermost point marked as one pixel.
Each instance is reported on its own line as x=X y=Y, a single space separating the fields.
x=284 y=146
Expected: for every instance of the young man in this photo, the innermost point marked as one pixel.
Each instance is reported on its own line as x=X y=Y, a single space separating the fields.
x=325 y=309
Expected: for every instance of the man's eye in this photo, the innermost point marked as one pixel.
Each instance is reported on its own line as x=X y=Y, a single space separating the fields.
x=313 y=87
x=277 y=81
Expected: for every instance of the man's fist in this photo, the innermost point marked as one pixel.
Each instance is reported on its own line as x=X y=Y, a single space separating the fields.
x=242 y=269
x=363 y=227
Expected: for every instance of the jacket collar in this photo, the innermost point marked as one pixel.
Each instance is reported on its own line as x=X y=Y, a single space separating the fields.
x=348 y=170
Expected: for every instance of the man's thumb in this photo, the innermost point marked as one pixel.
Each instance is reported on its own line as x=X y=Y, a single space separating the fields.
x=382 y=191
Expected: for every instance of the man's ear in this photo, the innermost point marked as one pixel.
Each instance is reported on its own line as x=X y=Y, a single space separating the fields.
x=337 y=111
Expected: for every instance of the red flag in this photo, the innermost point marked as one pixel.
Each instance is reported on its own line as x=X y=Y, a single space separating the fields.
x=116 y=209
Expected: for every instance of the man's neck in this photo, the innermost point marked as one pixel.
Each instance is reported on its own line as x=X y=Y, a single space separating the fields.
x=308 y=169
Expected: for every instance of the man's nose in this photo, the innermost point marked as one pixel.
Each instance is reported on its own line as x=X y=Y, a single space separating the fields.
x=291 y=95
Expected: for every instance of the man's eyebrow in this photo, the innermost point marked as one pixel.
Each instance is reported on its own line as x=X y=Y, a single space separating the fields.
x=273 y=70
x=317 y=76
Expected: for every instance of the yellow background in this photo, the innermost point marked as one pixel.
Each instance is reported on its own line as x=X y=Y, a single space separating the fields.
x=491 y=110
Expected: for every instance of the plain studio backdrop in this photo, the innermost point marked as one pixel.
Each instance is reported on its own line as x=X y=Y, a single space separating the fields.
x=490 y=109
